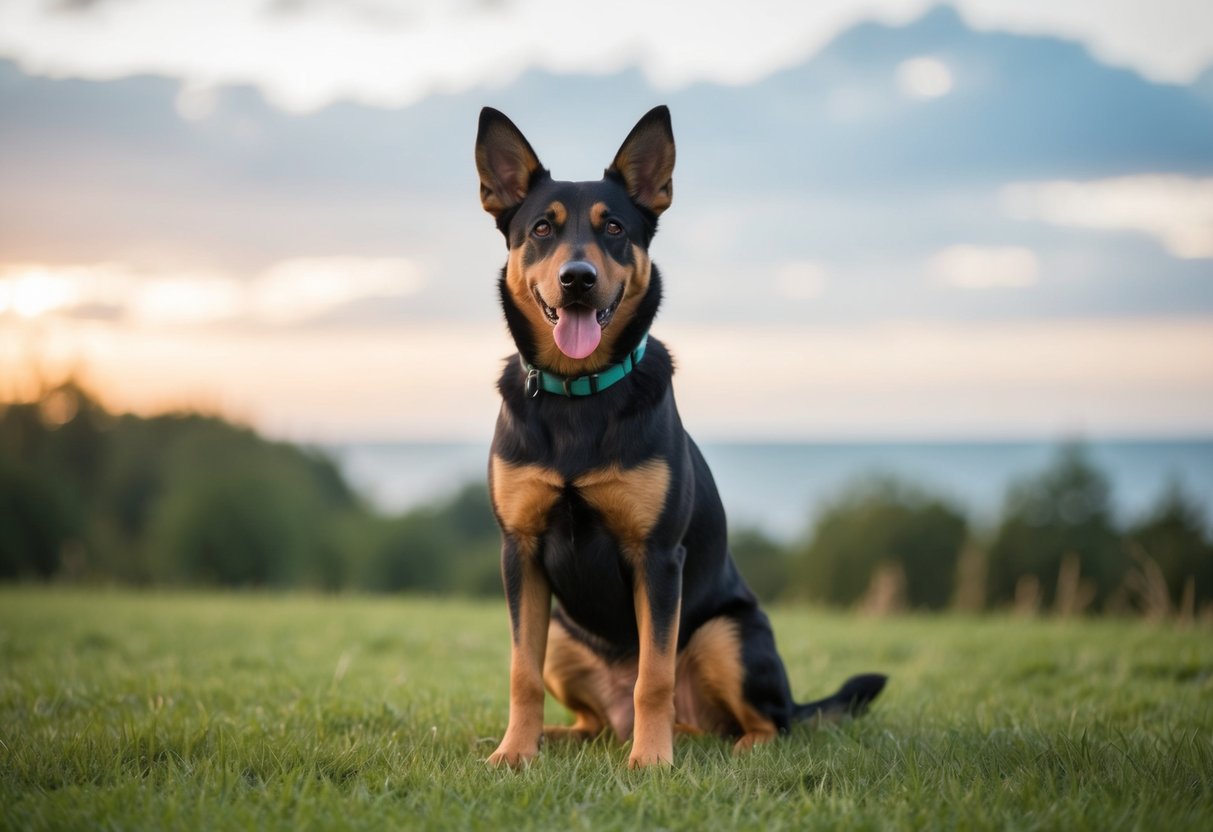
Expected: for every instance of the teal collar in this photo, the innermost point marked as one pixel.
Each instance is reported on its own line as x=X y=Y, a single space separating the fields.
x=587 y=385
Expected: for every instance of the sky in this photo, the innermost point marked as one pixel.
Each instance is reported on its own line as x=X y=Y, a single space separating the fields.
x=995 y=224
x=306 y=53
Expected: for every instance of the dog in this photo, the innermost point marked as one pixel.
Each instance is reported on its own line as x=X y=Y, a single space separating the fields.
x=603 y=500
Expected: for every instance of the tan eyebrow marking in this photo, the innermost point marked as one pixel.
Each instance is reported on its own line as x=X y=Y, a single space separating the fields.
x=598 y=212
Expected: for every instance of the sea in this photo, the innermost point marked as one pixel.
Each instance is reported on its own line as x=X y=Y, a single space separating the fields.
x=780 y=488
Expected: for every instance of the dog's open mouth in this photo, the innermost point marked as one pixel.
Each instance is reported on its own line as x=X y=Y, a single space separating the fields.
x=578 y=328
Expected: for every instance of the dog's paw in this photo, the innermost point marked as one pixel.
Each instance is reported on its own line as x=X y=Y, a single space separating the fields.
x=515 y=758
x=747 y=742
x=651 y=759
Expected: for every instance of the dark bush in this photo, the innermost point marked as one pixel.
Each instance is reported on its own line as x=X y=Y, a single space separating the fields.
x=1062 y=512
x=764 y=563
x=453 y=546
x=881 y=522
x=1175 y=536
x=37 y=520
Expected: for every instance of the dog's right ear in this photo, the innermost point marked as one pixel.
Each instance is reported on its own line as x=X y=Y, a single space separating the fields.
x=505 y=160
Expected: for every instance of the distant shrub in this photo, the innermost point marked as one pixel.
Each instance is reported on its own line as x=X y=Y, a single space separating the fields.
x=184 y=498
x=37 y=520
x=1175 y=536
x=236 y=510
x=244 y=529
x=763 y=562
x=1059 y=517
x=888 y=527
x=452 y=546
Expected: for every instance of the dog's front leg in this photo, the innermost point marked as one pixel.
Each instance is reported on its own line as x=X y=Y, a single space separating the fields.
x=658 y=599
x=530 y=601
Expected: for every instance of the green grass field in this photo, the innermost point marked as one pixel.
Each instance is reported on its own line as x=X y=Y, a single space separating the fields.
x=189 y=711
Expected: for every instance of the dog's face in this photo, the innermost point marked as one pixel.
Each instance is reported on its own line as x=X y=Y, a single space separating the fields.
x=578 y=267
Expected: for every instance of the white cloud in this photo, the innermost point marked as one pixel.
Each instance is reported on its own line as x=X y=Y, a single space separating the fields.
x=924 y=77
x=1176 y=210
x=180 y=300
x=302 y=288
x=984 y=267
x=390 y=57
x=290 y=291
x=1166 y=40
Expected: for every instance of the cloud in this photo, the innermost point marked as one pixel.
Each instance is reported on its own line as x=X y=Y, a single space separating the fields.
x=183 y=300
x=302 y=288
x=308 y=53
x=1175 y=210
x=924 y=77
x=984 y=267
x=289 y=292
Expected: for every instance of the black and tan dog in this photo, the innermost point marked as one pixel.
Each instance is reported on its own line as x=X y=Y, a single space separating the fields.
x=603 y=499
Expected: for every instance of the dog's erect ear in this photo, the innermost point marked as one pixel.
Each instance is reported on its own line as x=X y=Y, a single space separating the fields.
x=645 y=161
x=505 y=160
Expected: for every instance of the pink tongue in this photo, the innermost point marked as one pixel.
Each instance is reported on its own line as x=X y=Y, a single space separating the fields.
x=577 y=331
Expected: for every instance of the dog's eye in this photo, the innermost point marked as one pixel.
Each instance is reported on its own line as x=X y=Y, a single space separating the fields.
x=613 y=228
x=543 y=228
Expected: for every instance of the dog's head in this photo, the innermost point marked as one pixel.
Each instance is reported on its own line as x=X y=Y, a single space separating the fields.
x=578 y=288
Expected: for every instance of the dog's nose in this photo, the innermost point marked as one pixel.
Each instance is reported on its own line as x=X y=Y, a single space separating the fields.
x=578 y=275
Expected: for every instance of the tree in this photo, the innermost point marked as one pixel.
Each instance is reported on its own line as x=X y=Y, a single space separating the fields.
x=36 y=522
x=451 y=546
x=879 y=523
x=1061 y=515
x=1174 y=534
x=763 y=562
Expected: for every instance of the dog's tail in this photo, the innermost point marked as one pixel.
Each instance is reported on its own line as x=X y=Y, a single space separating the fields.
x=852 y=699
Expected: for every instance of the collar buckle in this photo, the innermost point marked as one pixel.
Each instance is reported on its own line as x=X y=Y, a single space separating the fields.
x=532 y=383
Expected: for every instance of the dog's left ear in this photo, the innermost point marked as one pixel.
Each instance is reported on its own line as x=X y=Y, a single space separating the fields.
x=645 y=161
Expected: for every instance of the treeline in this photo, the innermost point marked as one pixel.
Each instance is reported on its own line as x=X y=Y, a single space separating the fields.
x=887 y=545
x=192 y=500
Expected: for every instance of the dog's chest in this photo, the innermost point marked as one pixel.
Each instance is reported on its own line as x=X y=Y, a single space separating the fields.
x=627 y=502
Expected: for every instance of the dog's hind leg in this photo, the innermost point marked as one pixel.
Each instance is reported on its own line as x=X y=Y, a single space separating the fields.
x=581 y=681
x=711 y=687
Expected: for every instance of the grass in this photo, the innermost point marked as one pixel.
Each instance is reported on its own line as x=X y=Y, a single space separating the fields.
x=187 y=711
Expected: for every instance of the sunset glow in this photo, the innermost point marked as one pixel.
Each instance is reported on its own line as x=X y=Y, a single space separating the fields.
x=29 y=291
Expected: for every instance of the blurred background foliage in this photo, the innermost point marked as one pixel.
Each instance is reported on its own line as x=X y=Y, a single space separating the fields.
x=192 y=500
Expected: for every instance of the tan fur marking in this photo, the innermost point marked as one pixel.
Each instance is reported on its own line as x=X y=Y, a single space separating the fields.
x=520 y=291
x=525 y=728
x=653 y=738
x=579 y=680
x=637 y=277
x=598 y=212
x=558 y=213
x=630 y=500
x=711 y=682
x=523 y=495
x=593 y=690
